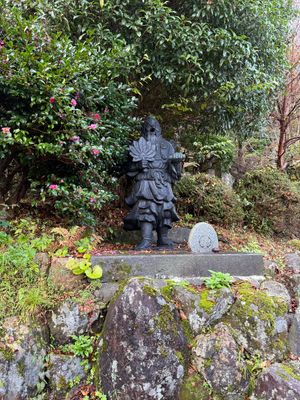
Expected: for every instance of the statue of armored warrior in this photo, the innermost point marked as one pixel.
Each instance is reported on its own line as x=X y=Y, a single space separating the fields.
x=155 y=166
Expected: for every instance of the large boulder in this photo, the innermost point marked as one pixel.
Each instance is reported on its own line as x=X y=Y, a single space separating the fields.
x=22 y=355
x=143 y=352
x=70 y=318
x=279 y=382
x=258 y=322
x=216 y=357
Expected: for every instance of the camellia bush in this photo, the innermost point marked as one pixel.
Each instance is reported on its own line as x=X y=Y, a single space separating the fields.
x=65 y=115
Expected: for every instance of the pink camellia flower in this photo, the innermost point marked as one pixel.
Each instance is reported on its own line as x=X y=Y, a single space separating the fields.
x=6 y=130
x=92 y=126
x=73 y=103
x=96 y=117
x=53 y=187
x=75 y=139
x=92 y=200
x=1 y=44
x=95 y=152
x=61 y=181
x=52 y=100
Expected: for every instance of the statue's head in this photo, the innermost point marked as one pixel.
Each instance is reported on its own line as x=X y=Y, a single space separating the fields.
x=151 y=129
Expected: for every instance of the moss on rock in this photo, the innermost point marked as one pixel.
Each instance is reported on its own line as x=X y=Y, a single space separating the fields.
x=195 y=387
x=150 y=290
x=119 y=271
x=7 y=353
x=289 y=370
x=205 y=301
x=21 y=367
x=165 y=319
x=253 y=318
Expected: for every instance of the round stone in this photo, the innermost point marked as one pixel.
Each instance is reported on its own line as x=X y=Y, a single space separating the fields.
x=203 y=238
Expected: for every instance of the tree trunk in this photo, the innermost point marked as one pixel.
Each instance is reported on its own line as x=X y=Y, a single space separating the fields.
x=281 y=146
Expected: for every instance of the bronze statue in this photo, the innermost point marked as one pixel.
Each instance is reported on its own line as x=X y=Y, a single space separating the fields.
x=155 y=166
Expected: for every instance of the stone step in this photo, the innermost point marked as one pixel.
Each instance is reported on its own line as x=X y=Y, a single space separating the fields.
x=169 y=266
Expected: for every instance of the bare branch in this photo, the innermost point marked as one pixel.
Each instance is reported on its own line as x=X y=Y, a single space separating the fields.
x=291 y=141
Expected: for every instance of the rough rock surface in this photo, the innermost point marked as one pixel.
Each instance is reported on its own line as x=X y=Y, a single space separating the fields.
x=292 y=260
x=295 y=282
x=70 y=319
x=106 y=292
x=216 y=357
x=143 y=352
x=203 y=308
x=195 y=387
x=259 y=323
x=22 y=352
x=62 y=277
x=270 y=268
x=65 y=371
x=279 y=382
x=276 y=289
x=294 y=334
x=43 y=260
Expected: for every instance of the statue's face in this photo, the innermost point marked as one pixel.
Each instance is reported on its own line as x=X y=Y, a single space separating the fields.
x=151 y=131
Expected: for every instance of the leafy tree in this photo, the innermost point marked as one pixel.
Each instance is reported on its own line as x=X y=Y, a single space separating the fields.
x=218 y=63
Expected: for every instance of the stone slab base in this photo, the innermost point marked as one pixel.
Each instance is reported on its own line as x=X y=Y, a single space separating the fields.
x=168 y=266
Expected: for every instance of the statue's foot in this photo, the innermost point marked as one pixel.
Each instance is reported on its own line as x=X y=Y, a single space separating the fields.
x=165 y=243
x=144 y=245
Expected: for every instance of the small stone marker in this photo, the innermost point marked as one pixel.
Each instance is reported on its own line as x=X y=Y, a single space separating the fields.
x=203 y=238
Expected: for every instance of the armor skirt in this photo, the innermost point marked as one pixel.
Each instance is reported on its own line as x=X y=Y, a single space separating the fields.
x=151 y=201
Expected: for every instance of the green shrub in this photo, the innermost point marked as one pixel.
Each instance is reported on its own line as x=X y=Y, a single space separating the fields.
x=208 y=199
x=271 y=201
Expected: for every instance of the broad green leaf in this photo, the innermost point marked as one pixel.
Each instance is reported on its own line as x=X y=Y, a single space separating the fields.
x=77 y=271
x=94 y=272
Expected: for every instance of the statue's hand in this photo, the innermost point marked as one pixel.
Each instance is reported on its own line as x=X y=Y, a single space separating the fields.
x=177 y=157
